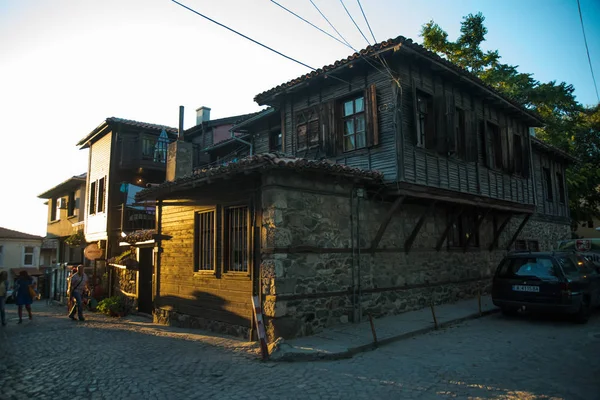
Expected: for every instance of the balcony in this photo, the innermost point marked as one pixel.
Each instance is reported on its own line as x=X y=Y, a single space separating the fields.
x=145 y=151
x=135 y=218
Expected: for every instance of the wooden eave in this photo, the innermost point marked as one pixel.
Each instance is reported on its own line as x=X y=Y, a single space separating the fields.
x=421 y=192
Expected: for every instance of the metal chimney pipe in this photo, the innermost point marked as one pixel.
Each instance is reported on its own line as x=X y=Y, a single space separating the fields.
x=180 y=132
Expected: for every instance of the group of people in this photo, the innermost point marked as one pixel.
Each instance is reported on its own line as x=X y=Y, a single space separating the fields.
x=25 y=288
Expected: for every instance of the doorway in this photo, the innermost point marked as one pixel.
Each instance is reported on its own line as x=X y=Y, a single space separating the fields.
x=145 y=280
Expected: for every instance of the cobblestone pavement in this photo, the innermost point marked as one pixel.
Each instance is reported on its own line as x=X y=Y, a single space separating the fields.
x=103 y=358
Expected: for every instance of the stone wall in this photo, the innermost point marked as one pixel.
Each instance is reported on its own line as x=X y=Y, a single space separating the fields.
x=306 y=289
x=125 y=285
x=167 y=316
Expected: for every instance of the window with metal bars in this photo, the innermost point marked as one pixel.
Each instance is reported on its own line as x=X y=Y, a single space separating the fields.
x=205 y=241
x=237 y=247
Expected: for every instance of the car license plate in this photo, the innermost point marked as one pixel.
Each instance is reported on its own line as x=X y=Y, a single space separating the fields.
x=524 y=288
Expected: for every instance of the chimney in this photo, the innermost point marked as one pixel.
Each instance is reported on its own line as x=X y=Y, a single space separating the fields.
x=202 y=115
x=180 y=130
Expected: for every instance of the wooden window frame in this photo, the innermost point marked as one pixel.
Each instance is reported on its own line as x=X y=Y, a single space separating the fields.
x=354 y=116
x=226 y=238
x=494 y=133
x=53 y=209
x=26 y=253
x=212 y=242
x=71 y=205
x=148 y=142
x=307 y=120
x=92 y=197
x=424 y=119
x=457 y=235
x=277 y=137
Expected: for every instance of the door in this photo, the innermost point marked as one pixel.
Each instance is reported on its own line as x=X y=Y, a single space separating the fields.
x=145 y=281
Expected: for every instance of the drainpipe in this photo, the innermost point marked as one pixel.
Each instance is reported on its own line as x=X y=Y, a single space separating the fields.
x=358 y=196
x=353 y=287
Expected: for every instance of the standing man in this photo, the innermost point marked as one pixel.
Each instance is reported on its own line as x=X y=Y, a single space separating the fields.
x=77 y=285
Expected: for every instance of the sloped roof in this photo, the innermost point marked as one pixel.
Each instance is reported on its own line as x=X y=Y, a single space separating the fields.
x=395 y=44
x=6 y=233
x=259 y=163
x=64 y=187
x=540 y=144
x=85 y=142
x=232 y=120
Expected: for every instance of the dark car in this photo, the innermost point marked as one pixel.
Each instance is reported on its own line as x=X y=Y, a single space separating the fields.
x=556 y=282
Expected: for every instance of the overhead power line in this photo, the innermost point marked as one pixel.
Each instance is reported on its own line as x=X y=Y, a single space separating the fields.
x=308 y=22
x=252 y=40
x=366 y=20
x=355 y=24
x=588 y=51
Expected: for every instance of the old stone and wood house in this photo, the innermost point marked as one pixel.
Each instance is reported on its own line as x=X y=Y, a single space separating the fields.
x=378 y=184
x=63 y=244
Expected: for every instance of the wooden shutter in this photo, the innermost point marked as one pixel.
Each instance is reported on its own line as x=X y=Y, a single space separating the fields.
x=413 y=132
x=510 y=150
x=470 y=136
x=436 y=137
x=372 y=125
x=503 y=132
x=451 y=124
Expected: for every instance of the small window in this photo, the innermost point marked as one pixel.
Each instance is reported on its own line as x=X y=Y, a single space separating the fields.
x=58 y=203
x=205 y=237
x=101 y=193
x=425 y=118
x=355 y=133
x=237 y=253
x=92 y=197
x=561 y=187
x=53 y=209
x=533 y=245
x=28 y=256
x=71 y=204
x=148 y=145
x=275 y=141
x=548 y=184
x=307 y=128
x=462 y=229
x=520 y=245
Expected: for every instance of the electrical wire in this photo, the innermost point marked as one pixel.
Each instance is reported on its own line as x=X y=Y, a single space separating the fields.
x=350 y=46
x=366 y=20
x=308 y=22
x=355 y=24
x=254 y=41
x=588 y=51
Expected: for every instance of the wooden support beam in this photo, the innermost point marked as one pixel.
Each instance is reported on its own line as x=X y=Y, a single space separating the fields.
x=451 y=222
x=476 y=229
x=518 y=231
x=386 y=221
x=499 y=232
x=409 y=241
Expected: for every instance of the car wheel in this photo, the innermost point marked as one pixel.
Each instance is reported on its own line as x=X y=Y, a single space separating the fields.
x=509 y=311
x=583 y=315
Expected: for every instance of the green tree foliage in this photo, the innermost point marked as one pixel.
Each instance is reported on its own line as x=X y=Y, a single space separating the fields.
x=568 y=125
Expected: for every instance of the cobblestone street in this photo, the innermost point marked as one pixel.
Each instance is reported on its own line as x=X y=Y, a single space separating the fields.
x=490 y=358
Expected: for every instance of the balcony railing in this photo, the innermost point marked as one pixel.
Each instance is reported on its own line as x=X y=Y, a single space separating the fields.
x=135 y=218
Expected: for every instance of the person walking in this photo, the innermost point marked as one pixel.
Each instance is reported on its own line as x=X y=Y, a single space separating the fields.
x=77 y=285
x=23 y=294
x=3 y=292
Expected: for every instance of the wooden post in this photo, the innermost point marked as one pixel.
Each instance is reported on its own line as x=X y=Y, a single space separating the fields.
x=373 y=329
x=260 y=327
x=386 y=221
x=409 y=241
x=518 y=231
x=499 y=232
x=435 y=324
x=449 y=224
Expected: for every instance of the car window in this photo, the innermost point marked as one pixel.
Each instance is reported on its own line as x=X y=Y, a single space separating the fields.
x=569 y=266
x=520 y=267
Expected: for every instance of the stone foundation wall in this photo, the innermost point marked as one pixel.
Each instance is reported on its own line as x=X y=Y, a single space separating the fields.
x=165 y=316
x=305 y=290
x=125 y=285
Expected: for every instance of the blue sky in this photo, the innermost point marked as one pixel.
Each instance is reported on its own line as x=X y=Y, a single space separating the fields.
x=67 y=65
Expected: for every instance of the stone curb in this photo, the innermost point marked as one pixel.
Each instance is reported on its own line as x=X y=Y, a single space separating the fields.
x=352 y=351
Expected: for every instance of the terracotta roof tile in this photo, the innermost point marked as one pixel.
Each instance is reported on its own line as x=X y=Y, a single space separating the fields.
x=139 y=124
x=257 y=163
x=540 y=144
x=261 y=98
